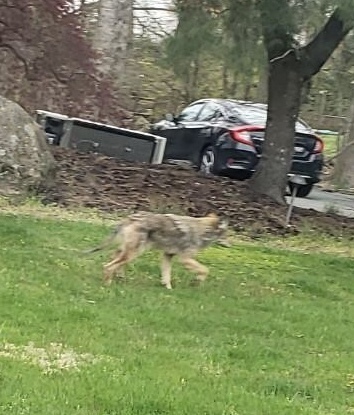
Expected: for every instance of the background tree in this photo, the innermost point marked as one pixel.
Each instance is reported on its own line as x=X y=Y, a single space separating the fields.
x=210 y=59
x=243 y=53
x=47 y=62
x=344 y=167
x=194 y=37
x=113 y=36
x=331 y=89
x=290 y=66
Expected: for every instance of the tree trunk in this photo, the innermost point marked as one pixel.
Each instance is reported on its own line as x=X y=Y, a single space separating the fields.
x=193 y=87
x=290 y=67
x=247 y=90
x=225 y=81
x=344 y=166
x=284 y=86
x=262 y=88
x=88 y=17
x=113 y=36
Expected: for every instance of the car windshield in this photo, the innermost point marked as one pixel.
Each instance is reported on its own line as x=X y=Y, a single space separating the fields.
x=254 y=115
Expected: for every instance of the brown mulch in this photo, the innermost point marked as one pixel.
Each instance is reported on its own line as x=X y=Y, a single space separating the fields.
x=101 y=182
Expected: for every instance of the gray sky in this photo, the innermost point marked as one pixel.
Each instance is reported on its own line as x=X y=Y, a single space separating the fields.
x=158 y=21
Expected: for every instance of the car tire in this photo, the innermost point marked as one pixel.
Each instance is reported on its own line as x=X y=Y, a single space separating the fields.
x=207 y=161
x=302 y=190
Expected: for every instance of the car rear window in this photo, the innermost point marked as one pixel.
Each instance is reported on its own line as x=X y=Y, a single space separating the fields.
x=253 y=115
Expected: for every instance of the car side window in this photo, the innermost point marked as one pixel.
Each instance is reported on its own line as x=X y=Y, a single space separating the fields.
x=190 y=113
x=210 y=112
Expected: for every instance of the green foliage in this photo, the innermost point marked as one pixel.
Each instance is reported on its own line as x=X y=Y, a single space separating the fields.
x=346 y=10
x=196 y=36
x=278 y=24
x=332 y=89
x=203 y=47
x=269 y=332
x=242 y=49
x=195 y=32
x=150 y=84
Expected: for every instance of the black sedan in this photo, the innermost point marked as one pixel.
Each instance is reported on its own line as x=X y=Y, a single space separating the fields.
x=224 y=137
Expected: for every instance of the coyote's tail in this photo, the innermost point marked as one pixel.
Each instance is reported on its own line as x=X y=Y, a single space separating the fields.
x=107 y=242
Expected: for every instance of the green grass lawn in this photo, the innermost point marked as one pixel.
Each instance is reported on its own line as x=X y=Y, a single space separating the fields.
x=270 y=332
x=330 y=144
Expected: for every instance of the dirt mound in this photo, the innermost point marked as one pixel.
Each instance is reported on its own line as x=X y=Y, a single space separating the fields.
x=104 y=183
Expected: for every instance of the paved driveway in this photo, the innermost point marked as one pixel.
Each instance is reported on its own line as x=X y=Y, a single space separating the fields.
x=323 y=201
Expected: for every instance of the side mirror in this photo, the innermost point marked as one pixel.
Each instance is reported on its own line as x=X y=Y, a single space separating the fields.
x=170 y=117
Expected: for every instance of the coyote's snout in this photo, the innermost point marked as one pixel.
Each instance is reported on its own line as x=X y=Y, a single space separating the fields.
x=175 y=235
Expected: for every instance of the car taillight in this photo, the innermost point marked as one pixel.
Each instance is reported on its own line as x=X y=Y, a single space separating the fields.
x=242 y=136
x=319 y=146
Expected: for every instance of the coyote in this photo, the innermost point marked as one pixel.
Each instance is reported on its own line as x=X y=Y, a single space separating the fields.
x=175 y=235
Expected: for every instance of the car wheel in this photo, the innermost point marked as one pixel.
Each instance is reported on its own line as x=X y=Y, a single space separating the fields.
x=207 y=161
x=302 y=190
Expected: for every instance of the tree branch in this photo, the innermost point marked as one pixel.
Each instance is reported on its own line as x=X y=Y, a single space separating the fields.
x=316 y=53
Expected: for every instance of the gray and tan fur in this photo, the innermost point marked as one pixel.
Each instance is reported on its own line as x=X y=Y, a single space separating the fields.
x=174 y=235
